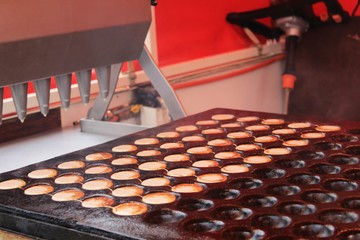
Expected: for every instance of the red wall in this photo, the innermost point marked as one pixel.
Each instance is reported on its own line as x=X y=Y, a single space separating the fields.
x=191 y=29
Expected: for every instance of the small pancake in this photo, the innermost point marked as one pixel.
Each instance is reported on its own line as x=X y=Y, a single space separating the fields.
x=124 y=148
x=284 y=131
x=296 y=143
x=97 y=184
x=236 y=135
x=193 y=139
x=297 y=125
x=130 y=209
x=248 y=119
x=313 y=135
x=211 y=131
x=223 y=117
x=127 y=191
x=211 y=178
x=199 y=150
x=177 y=158
x=68 y=195
x=172 y=145
x=147 y=141
x=97 y=202
x=235 y=168
x=186 y=128
x=69 y=179
x=71 y=165
x=220 y=143
x=206 y=123
x=187 y=188
x=156 y=182
x=148 y=153
x=248 y=147
x=328 y=128
x=181 y=172
x=266 y=139
x=258 y=127
x=231 y=125
x=40 y=189
x=205 y=164
x=42 y=173
x=124 y=161
x=125 y=175
x=273 y=121
x=257 y=159
x=227 y=155
x=98 y=156
x=168 y=135
x=98 y=170
x=277 y=151
x=159 y=198
x=12 y=184
x=152 y=166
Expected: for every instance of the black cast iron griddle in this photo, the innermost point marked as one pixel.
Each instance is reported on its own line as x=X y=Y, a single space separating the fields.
x=310 y=192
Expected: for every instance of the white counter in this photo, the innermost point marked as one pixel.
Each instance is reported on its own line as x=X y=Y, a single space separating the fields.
x=25 y=151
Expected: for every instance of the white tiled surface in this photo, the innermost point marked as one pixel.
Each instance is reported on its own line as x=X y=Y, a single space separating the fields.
x=37 y=148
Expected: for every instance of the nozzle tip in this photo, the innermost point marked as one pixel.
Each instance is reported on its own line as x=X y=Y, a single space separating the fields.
x=44 y=110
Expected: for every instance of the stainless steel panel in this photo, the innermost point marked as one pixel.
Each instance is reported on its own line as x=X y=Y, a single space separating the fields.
x=41 y=38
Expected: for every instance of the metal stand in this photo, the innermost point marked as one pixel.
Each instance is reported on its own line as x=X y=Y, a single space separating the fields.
x=94 y=123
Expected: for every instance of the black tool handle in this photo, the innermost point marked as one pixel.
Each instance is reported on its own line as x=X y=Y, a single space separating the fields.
x=290 y=52
x=262 y=29
x=289 y=75
x=276 y=11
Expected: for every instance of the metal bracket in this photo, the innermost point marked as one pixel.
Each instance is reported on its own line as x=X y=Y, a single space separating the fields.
x=161 y=85
x=109 y=128
x=94 y=123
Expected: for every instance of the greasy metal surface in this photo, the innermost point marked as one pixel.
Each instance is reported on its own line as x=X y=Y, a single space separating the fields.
x=313 y=192
x=12 y=236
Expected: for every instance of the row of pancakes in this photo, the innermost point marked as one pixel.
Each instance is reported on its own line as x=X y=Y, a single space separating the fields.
x=100 y=201
x=134 y=208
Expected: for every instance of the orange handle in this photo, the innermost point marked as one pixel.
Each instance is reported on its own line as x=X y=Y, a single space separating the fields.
x=288 y=81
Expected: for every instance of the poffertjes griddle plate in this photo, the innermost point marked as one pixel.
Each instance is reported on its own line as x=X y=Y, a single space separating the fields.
x=297 y=183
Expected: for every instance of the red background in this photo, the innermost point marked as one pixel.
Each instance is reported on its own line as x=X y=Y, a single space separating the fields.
x=191 y=29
